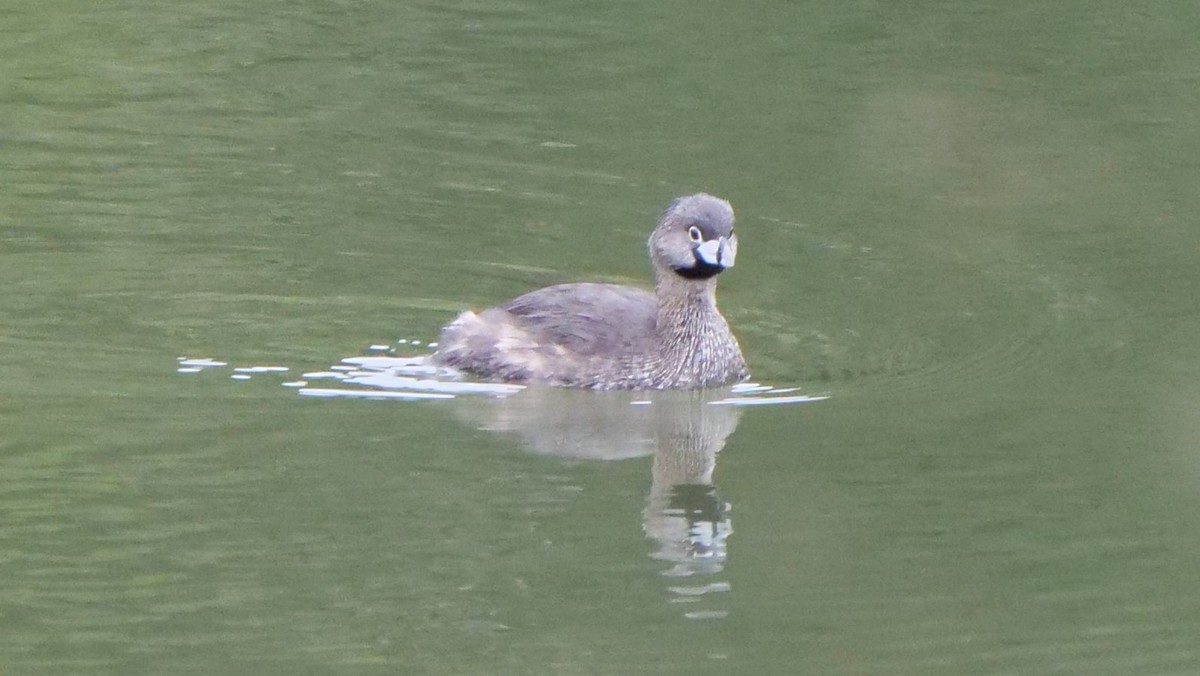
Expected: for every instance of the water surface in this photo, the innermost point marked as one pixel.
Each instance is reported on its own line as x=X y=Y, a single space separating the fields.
x=971 y=226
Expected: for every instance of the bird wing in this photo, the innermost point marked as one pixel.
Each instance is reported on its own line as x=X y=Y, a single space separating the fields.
x=589 y=319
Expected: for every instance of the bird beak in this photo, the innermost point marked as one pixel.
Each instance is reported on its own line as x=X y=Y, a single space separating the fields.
x=728 y=251
x=719 y=252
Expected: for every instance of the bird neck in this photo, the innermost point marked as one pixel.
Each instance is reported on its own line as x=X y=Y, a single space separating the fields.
x=695 y=345
x=680 y=297
x=687 y=313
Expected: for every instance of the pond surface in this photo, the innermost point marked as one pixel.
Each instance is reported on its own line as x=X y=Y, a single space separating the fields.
x=972 y=226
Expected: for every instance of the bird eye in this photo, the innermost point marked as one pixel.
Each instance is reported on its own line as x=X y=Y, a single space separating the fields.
x=694 y=234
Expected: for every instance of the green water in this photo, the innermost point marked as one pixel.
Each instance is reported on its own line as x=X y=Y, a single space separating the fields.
x=973 y=225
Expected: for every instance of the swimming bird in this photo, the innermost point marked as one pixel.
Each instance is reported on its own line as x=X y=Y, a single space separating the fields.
x=612 y=337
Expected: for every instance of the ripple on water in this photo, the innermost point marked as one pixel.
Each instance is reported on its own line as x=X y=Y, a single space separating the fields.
x=382 y=375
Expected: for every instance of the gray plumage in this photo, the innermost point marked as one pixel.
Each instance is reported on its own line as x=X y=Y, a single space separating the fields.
x=604 y=336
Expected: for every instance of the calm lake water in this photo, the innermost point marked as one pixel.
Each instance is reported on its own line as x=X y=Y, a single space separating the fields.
x=973 y=226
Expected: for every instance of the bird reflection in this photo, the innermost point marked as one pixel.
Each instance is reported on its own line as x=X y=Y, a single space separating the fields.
x=683 y=431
